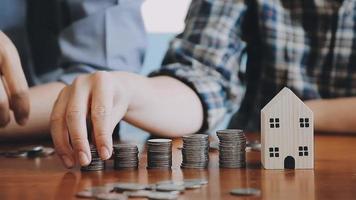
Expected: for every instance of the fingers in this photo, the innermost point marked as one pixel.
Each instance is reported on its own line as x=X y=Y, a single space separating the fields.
x=4 y=107
x=101 y=113
x=76 y=112
x=14 y=77
x=59 y=130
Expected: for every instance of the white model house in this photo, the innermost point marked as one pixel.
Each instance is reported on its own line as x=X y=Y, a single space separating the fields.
x=287 y=133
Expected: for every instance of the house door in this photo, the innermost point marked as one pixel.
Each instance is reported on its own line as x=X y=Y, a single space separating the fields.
x=289 y=162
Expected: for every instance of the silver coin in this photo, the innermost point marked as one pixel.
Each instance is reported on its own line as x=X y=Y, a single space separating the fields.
x=162 y=196
x=111 y=196
x=170 y=187
x=159 y=140
x=159 y=154
x=125 y=156
x=195 y=151
x=138 y=194
x=246 y=192
x=256 y=147
x=199 y=181
x=93 y=192
x=96 y=163
x=191 y=185
x=128 y=187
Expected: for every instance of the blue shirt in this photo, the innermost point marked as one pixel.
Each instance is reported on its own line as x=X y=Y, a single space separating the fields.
x=58 y=40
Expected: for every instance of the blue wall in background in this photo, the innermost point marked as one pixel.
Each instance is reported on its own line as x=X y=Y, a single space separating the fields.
x=157 y=45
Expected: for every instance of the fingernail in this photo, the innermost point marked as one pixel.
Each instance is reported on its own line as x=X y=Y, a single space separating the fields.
x=22 y=121
x=67 y=161
x=83 y=159
x=104 y=153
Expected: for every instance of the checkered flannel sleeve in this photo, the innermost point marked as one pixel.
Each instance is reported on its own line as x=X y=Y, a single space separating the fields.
x=206 y=56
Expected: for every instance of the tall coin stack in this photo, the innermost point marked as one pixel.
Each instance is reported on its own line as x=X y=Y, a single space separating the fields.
x=232 y=147
x=125 y=156
x=96 y=163
x=159 y=154
x=195 y=152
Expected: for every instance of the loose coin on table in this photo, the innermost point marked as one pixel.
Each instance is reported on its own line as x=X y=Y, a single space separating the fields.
x=111 y=196
x=246 y=192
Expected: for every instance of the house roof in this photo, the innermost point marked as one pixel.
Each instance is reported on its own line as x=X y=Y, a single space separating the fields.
x=285 y=92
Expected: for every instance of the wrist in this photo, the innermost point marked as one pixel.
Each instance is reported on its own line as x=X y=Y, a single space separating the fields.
x=130 y=86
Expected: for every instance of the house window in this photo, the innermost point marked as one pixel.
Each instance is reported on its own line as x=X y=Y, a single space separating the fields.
x=303 y=151
x=274 y=122
x=274 y=152
x=304 y=122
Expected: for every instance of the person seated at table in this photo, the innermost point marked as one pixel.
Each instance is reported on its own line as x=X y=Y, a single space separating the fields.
x=308 y=46
x=57 y=41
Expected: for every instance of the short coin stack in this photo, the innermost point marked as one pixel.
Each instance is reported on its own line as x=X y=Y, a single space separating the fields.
x=232 y=147
x=159 y=154
x=125 y=156
x=96 y=163
x=195 y=152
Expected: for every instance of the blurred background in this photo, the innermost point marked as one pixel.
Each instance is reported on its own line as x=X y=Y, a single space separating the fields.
x=163 y=20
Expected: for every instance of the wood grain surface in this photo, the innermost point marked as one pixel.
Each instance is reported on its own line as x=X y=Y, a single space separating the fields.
x=334 y=176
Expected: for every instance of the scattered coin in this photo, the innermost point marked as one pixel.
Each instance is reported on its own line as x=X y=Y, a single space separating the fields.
x=162 y=196
x=93 y=192
x=192 y=185
x=169 y=187
x=159 y=154
x=96 y=163
x=170 y=182
x=138 y=194
x=199 y=181
x=125 y=156
x=246 y=192
x=232 y=148
x=195 y=152
x=29 y=152
x=256 y=146
x=122 y=187
x=111 y=196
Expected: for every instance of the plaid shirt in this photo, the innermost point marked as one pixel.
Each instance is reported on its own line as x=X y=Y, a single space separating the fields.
x=308 y=46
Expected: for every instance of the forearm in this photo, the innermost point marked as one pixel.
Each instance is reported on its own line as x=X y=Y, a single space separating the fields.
x=164 y=106
x=42 y=99
x=334 y=115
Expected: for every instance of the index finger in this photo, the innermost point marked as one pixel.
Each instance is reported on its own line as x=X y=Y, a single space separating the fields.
x=14 y=79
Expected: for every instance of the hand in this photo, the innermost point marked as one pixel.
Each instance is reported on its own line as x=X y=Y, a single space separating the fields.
x=13 y=86
x=102 y=98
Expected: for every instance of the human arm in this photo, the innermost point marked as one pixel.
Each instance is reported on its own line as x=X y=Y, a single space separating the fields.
x=98 y=35
x=201 y=59
x=41 y=100
x=162 y=105
x=334 y=115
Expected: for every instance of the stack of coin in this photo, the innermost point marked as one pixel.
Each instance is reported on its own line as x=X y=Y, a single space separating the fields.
x=232 y=145
x=125 y=156
x=159 y=154
x=195 y=152
x=96 y=163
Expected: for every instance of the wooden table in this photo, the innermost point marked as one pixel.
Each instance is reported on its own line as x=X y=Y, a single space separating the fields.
x=334 y=176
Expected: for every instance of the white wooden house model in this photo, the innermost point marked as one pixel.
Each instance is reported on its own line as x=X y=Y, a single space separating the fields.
x=287 y=133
